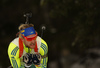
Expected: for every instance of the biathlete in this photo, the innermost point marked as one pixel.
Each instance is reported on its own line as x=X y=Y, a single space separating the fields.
x=28 y=50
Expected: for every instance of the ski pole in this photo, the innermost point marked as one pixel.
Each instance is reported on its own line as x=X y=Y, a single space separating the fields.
x=27 y=15
x=43 y=28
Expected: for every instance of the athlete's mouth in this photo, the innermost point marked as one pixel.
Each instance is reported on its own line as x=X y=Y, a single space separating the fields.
x=33 y=44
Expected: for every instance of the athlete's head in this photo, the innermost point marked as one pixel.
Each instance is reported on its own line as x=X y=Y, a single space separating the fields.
x=28 y=35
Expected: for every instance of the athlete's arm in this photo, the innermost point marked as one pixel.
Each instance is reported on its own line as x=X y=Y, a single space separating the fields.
x=43 y=51
x=13 y=53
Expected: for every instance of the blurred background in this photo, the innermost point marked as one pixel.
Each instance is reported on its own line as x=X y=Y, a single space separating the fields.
x=72 y=30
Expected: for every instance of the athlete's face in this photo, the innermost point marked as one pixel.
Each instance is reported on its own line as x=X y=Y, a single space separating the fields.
x=30 y=43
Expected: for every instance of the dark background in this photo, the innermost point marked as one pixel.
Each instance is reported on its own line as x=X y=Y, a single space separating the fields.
x=72 y=26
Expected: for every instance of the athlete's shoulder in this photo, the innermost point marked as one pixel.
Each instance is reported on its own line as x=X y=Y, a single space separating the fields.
x=13 y=47
x=43 y=47
x=40 y=40
x=15 y=41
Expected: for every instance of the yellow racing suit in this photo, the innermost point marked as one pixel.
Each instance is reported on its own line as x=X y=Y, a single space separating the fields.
x=17 y=62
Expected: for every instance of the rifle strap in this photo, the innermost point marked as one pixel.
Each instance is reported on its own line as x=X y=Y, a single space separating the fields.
x=20 y=47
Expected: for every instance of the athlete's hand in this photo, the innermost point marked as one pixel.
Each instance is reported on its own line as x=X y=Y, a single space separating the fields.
x=36 y=58
x=27 y=58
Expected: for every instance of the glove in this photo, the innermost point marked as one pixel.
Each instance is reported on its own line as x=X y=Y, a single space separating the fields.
x=27 y=58
x=36 y=58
